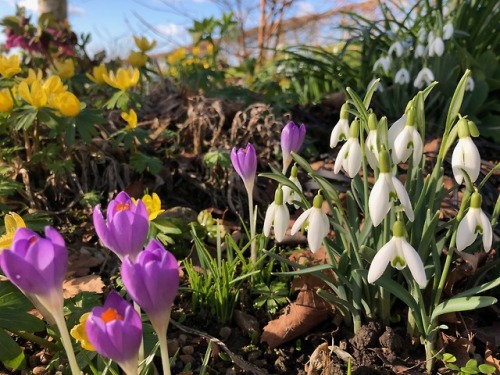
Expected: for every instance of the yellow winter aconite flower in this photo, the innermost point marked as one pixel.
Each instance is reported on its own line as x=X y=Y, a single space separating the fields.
x=143 y=43
x=9 y=66
x=67 y=103
x=79 y=333
x=6 y=101
x=153 y=205
x=176 y=55
x=65 y=69
x=33 y=76
x=210 y=49
x=123 y=79
x=54 y=85
x=12 y=222
x=196 y=51
x=131 y=118
x=33 y=94
x=137 y=59
x=98 y=73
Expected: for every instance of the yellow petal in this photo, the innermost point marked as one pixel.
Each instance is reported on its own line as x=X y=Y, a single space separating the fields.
x=6 y=101
x=25 y=93
x=79 y=333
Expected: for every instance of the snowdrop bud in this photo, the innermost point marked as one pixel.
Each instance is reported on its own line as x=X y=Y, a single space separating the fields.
x=474 y=222
x=371 y=142
x=448 y=31
x=469 y=84
x=372 y=121
x=465 y=156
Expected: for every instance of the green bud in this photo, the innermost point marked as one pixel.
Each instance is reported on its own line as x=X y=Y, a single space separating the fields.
x=410 y=116
x=294 y=171
x=278 y=196
x=344 y=112
x=476 y=200
x=318 y=201
x=384 y=161
x=399 y=229
x=463 y=128
x=354 y=129
x=372 y=121
x=473 y=130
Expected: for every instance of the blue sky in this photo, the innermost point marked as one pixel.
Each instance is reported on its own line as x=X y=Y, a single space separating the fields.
x=113 y=22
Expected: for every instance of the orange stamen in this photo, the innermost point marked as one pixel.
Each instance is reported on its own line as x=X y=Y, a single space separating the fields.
x=122 y=206
x=110 y=314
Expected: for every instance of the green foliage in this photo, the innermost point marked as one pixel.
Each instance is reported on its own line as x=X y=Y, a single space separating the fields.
x=271 y=297
x=471 y=367
x=142 y=162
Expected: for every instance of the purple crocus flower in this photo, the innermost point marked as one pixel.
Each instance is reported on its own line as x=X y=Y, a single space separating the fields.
x=245 y=163
x=126 y=227
x=292 y=137
x=115 y=331
x=37 y=265
x=152 y=281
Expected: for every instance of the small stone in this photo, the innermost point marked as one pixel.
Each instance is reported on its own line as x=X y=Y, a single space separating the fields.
x=39 y=370
x=224 y=333
x=252 y=357
x=173 y=346
x=188 y=349
x=186 y=358
x=182 y=338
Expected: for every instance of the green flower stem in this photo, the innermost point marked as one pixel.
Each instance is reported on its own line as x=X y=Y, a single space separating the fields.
x=253 y=244
x=66 y=341
x=364 y=165
x=141 y=347
x=161 y=332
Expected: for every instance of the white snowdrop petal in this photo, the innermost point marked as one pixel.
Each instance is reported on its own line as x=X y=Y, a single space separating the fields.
x=403 y=198
x=300 y=221
x=458 y=162
x=395 y=129
x=340 y=157
x=281 y=222
x=268 y=220
x=378 y=201
x=381 y=260
x=354 y=158
x=472 y=159
x=487 y=231
x=315 y=233
x=414 y=263
x=418 y=148
x=466 y=231
x=400 y=149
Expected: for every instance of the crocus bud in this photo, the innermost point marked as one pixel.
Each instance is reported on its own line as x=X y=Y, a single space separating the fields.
x=115 y=331
x=245 y=163
x=152 y=281
x=126 y=227
x=292 y=138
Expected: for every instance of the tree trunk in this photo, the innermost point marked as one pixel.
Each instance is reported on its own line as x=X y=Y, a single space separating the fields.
x=58 y=8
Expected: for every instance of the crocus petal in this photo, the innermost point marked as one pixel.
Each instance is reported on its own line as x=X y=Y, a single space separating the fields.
x=300 y=221
x=466 y=231
x=403 y=198
x=378 y=201
x=281 y=222
x=381 y=260
x=268 y=221
x=487 y=231
x=414 y=263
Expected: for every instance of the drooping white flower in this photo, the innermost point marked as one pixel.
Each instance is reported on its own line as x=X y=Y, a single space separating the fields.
x=277 y=215
x=422 y=35
x=290 y=195
x=318 y=224
x=385 y=190
x=448 y=31
x=475 y=221
x=383 y=62
x=469 y=84
x=465 y=156
x=400 y=254
x=419 y=50
x=341 y=129
x=395 y=129
x=350 y=157
x=396 y=48
x=402 y=76
x=425 y=76
x=436 y=47
x=408 y=142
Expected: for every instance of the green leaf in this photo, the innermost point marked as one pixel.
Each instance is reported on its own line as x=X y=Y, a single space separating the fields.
x=486 y=368
x=462 y=304
x=449 y=358
x=456 y=101
x=11 y=354
x=479 y=289
x=142 y=162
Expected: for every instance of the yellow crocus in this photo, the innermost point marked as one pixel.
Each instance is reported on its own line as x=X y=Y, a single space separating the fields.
x=153 y=205
x=143 y=43
x=67 y=103
x=9 y=66
x=131 y=118
x=65 y=69
x=12 y=222
x=137 y=59
x=6 y=101
x=33 y=76
x=98 y=73
x=33 y=94
x=124 y=78
x=79 y=333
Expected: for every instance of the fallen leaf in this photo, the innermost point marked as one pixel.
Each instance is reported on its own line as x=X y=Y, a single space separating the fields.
x=89 y=283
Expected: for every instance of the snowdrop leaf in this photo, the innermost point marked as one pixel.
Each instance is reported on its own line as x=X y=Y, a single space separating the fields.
x=462 y=304
x=479 y=289
x=370 y=92
x=456 y=101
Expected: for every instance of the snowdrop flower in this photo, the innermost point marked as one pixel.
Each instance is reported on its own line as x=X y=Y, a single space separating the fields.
x=395 y=129
x=341 y=129
x=386 y=189
x=465 y=156
x=448 y=31
x=436 y=47
x=408 y=141
x=400 y=254
x=419 y=50
x=318 y=224
x=402 y=76
x=277 y=214
x=371 y=146
x=349 y=157
x=422 y=35
x=474 y=222
x=469 y=84
x=396 y=48
x=289 y=195
x=425 y=76
x=383 y=62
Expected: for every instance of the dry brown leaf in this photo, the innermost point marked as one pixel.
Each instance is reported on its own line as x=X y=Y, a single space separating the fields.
x=491 y=360
x=89 y=283
x=300 y=317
